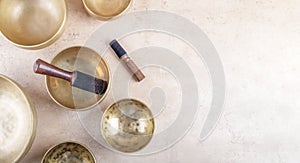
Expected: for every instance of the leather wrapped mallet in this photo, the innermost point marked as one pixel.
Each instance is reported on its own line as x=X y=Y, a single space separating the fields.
x=122 y=54
x=77 y=79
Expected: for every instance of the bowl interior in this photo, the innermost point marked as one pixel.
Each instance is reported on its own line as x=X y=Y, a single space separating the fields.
x=84 y=60
x=68 y=152
x=106 y=9
x=31 y=22
x=17 y=121
x=127 y=125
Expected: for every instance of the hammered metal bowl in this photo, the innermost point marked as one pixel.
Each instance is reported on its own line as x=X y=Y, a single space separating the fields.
x=17 y=121
x=82 y=59
x=32 y=24
x=106 y=9
x=68 y=152
x=127 y=125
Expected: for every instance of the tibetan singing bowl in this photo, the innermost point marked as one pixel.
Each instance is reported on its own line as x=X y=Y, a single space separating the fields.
x=82 y=59
x=127 y=125
x=32 y=24
x=17 y=121
x=68 y=152
x=106 y=9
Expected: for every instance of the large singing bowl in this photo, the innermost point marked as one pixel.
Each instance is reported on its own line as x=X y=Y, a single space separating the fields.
x=17 y=121
x=32 y=24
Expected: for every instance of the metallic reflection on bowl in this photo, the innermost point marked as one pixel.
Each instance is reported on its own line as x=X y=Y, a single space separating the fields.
x=106 y=9
x=82 y=59
x=68 y=152
x=32 y=24
x=17 y=121
x=127 y=125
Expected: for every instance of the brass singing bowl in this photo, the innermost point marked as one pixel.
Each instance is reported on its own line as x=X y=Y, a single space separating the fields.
x=82 y=59
x=17 y=121
x=68 y=152
x=32 y=24
x=106 y=9
x=127 y=125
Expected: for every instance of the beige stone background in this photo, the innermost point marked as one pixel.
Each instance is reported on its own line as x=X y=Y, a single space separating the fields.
x=258 y=43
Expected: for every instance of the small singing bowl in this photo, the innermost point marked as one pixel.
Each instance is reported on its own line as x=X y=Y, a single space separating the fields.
x=17 y=121
x=32 y=24
x=127 y=125
x=106 y=9
x=68 y=152
x=82 y=59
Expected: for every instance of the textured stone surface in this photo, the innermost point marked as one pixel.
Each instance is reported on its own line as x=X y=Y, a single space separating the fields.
x=258 y=42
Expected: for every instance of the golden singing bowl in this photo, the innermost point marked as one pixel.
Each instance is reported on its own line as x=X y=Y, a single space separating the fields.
x=105 y=9
x=84 y=60
x=68 y=152
x=127 y=125
x=32 y=24
x=17 y=121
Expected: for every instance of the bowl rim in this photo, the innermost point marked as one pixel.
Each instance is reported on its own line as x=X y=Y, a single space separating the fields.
x=105 y=18
x=66 y=142
x=103 y=96
x=31 y=107
x=48 y=42
x=102 y=119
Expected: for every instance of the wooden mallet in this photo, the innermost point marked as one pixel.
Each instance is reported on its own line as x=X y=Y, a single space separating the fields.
x=122 y=54
x=77 y=79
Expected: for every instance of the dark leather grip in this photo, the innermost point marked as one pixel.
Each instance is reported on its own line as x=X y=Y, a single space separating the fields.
x=118 y=49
